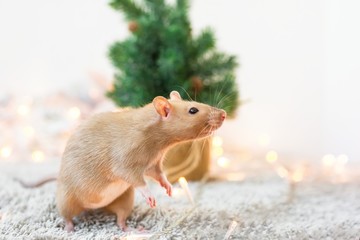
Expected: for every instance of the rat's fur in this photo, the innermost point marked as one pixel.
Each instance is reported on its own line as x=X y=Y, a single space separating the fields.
x=108 y=155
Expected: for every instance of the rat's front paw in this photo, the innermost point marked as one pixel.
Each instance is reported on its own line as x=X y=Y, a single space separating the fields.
x=165 y=184
x=150 y=199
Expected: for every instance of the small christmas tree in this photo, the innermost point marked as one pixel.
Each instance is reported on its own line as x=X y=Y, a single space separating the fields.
x=161 y=55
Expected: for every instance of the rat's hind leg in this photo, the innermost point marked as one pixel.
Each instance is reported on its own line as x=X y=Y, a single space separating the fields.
x=69 y=226
x=68 y=208
x=122 y=207
x=68 y=215
x=68 y=212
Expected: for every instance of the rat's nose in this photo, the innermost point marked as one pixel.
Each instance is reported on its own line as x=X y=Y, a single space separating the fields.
x=223 y=116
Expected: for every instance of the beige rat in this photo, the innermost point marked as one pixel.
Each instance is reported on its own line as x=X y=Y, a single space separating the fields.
x=108 y=155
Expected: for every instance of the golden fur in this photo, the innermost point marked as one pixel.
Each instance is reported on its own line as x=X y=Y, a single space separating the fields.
x=116 y=147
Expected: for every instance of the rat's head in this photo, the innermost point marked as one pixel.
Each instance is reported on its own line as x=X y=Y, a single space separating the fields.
x=187 y=120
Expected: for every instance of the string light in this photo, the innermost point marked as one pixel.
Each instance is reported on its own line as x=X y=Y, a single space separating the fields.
x=217 y=149
x=176 y=192
x=223 y=162
x=282 y=171
x=332 y=167
x=24 y=116
x=271 y=156
x=184 y=184
x=298 y=175
x=23 y=110
x=264 y=140
x=230 y=230
x=28 y=131
x=328 y=160
x=38 y=156
x=74 y=113
x=217 y=141
x=5 y=151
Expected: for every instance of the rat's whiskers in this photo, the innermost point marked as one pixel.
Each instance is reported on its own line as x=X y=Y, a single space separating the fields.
x=186 y=92
x=225 y=98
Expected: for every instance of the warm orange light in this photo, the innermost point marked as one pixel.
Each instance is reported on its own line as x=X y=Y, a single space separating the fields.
x=271 y=156
x=328 y=160
x=176 y=192
x=38 y=156
x=183 y=181
x=223 y=162
x=298 y=175
x=184 y=184
x=23 y=110
x=218 y=151
x=282 y=172
x=74 y=113
x=5 y=151
x=217 y=141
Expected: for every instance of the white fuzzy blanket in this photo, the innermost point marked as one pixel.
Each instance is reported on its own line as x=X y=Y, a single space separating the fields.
x=318 y=211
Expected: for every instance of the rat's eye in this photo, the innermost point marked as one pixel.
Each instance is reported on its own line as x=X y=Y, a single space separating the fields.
x=193 y=110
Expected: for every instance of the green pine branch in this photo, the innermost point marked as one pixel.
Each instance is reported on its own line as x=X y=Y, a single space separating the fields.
x=161 y=55
x=182 y=6
x=203 y=43
x=215 y=63
x=128 y=7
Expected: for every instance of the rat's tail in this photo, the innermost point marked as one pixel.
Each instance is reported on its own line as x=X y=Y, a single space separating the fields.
x=38 y=183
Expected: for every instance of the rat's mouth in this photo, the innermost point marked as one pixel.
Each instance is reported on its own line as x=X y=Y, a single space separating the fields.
x=215 y=120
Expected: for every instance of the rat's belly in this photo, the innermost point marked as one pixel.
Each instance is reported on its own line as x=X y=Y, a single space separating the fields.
x=109 y=194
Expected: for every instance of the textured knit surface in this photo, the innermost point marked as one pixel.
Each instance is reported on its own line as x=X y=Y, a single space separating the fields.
x=318 y=211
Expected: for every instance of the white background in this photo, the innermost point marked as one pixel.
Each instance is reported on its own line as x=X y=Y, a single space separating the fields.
x=299 y=74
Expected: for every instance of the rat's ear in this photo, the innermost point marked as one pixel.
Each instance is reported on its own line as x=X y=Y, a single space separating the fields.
x=175 y=95
x=162 y=106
